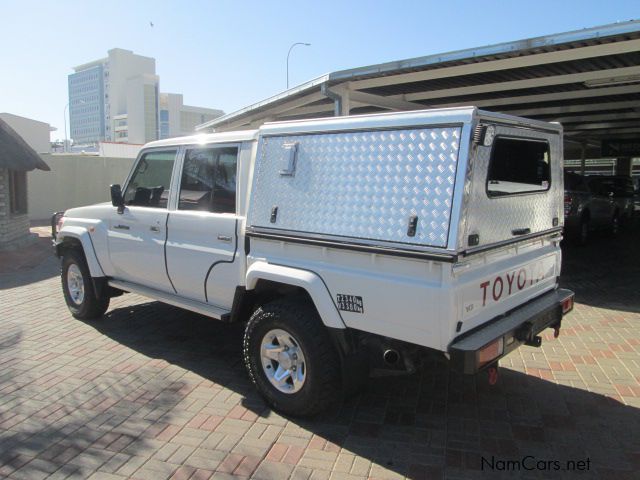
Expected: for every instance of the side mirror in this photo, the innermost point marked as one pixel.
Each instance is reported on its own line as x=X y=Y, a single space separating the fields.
x=116 y=198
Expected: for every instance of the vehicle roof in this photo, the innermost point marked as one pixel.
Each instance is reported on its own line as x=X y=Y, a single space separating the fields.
x=401 y=119
x=205 y=138
x=351 y=122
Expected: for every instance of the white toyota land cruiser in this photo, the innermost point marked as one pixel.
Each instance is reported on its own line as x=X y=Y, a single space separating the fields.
x=348 y=245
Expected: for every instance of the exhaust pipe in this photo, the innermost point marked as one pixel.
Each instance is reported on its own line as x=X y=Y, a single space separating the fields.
x=391 y=357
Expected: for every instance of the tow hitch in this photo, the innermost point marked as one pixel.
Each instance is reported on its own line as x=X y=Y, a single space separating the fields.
x=525 y=334
x=535 y=341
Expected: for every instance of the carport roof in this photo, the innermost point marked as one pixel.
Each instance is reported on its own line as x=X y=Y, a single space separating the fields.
x=589 y=80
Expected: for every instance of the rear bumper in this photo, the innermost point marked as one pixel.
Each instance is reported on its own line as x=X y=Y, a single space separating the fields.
x=520 y=326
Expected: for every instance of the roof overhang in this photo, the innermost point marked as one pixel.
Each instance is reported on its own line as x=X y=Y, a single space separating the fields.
x=588 y=80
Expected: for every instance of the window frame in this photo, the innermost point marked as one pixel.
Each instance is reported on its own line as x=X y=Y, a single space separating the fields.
x=176 y=149
x=183 y=157
x=493 y=196
x=18 y=197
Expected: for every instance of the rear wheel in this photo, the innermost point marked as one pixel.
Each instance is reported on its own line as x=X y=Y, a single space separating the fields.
x=78 y=288
x=290 y=358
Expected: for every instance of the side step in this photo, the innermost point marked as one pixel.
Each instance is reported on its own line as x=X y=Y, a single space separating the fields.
x=192 y=305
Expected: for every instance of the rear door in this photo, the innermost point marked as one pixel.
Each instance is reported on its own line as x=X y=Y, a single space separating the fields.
x=202 y=240
x=514 y=188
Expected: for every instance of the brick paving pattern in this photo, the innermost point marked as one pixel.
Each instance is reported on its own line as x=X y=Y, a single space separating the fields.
x=153 y=392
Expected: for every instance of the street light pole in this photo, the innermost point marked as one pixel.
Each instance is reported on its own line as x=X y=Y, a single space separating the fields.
x=65 y=128
x=289 y=53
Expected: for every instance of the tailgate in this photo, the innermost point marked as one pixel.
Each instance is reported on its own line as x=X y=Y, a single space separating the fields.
x=493 y=283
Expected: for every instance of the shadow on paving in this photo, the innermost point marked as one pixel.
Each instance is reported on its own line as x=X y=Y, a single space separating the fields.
x=431 y=424
x=43 y=269
x=50 y=424
x=606 y=272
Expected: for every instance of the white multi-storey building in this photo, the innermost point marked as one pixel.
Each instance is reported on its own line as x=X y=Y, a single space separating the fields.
x=117 y=99
x=99 y=92
x=177 y=119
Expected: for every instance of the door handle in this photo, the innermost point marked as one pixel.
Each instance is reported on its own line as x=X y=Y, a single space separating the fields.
x=224 y=238
x=521 y=231
x=154 y=229
x=120 y=227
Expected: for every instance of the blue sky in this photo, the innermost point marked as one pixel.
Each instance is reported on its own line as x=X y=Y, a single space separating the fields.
x=229 y=54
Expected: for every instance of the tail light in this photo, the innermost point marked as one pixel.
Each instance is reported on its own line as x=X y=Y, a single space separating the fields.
x=567 y=305
x=490 y=351
x=568 y=203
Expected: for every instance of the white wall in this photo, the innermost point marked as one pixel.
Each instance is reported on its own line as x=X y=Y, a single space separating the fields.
x=74 y=180
x=119 y=150
x=35 y=133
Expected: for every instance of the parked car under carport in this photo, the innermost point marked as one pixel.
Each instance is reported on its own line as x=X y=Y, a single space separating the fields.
x=621 y=190
x=587 y=207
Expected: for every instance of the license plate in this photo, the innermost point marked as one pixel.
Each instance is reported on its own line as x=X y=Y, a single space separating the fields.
x=495 y=289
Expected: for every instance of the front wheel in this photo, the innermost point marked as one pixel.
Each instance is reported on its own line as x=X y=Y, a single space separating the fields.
x=290 y=358
x=78 y=288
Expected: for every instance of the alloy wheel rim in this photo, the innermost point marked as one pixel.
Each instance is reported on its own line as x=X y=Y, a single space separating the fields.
x=75 y=284
x=283 y=361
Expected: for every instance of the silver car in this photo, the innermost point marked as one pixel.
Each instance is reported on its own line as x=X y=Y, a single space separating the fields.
x=622 y=189
x=588 y=206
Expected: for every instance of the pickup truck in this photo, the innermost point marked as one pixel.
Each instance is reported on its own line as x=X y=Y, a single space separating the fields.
x=348 y=246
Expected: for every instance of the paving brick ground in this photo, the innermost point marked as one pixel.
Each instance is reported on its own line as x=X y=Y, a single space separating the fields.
x=153 y=392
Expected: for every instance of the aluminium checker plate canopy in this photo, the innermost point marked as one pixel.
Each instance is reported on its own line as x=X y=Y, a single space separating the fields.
x=395 y=180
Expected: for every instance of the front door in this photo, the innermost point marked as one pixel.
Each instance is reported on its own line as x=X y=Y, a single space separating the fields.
x=137 y=236
x=202 y=242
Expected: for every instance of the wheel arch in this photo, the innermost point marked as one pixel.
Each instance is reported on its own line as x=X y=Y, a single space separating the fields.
x=78 y=238
x=264 y=279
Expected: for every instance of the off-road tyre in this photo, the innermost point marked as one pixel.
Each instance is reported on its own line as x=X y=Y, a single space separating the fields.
x=321 y=386
x=91 y=306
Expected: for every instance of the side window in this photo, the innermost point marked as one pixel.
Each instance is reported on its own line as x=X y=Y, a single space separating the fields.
x=149 y=184
x=209 y=180
x=518 y=165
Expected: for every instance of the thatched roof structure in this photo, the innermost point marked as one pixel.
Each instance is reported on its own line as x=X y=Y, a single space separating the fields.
x=15 y=153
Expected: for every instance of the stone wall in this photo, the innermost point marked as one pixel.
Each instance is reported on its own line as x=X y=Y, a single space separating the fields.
x=14 y=229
